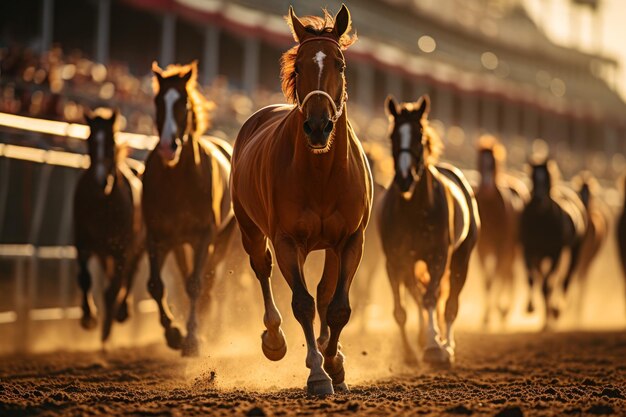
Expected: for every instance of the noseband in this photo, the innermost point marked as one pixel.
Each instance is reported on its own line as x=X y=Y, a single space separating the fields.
x=337 y=110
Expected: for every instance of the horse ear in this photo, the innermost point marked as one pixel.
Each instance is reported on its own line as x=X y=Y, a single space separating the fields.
x=193 y=69
x=391 y=106
x=342 y=21
x=297 y=28
x=157 y=71
x=424 y=105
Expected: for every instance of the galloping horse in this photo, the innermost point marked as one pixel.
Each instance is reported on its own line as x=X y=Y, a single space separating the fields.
x=107 y=221
x=429 y=225
x=553 y=220
x=300 y=179
x=501 y=198
x=186 y=198
x=595 y=233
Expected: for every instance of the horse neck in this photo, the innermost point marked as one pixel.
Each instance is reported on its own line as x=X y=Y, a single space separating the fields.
x=424 y=193
x=337 y=155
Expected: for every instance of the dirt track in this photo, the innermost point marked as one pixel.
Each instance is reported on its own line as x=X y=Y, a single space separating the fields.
x=523 y=374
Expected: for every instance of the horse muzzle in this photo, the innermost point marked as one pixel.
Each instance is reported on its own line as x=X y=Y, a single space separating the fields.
x=404 y=183
x=168 y=151
x=318 y=131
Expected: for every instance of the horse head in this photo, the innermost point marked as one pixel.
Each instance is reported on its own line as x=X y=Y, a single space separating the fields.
x=313 y=73
x=101 y=143
x=174 y=115
x=413 y=144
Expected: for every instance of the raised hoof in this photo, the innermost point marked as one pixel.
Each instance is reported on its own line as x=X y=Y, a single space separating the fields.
x=437 y=357
x=320 y=387
x=343 y=387
x=88 y=322
x=269 y=350
x=191 y=347
x=174 y=338
x=122 y=313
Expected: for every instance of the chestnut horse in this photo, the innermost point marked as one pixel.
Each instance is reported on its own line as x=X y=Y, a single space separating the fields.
x=595 y=233
x=107 y=221
x=300 y=179
x=552 y=221
x=429 y=225
x=501 y=198
x=185 y=199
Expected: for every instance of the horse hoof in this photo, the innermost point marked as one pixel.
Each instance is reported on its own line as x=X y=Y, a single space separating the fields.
x=191 y=347
x=88 y=322
x=437 y=357
x=122 y=313
x=530 y=308
x=343 y=387
x=320 y=387
x=174 y=338
x=270 y=350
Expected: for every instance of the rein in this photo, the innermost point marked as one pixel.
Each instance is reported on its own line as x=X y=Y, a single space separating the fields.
x=338 y=111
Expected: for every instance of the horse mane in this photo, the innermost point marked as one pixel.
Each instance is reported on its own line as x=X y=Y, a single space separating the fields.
x=316 y=26
x=586 y=177
x=201 y=107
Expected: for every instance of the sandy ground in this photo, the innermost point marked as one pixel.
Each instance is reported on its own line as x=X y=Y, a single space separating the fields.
x=506 y=375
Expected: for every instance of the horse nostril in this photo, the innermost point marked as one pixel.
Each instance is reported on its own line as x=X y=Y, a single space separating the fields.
x=173 y=144
x=307 y=128
x=328 y=128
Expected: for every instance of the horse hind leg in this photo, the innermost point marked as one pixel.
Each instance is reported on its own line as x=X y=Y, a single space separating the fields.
x=458 y=275
x=88 y=320
x=114 y=294
x=123 y=312
x=434 y=353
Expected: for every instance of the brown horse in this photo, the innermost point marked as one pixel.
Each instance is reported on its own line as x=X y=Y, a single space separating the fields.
x=595 y=233
x=107 y=221
x=185 y=199
x=429 y=225
x=301 y=180
x=552 y=221
x=501 y=198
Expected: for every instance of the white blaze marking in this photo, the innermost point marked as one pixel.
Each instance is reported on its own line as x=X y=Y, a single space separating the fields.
x=169 y=126
x=319 y=60
x=404 y=161
x=99 y=162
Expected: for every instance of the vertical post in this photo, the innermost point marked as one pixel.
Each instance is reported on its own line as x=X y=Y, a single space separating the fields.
x=393 y=85
x=443 y=106
x=210 y=54
x=102 y=31
x=365 y=86
x=63 y=237
x=47 y=25
x=251 y=51
x=168 y=40
x=4 y=188
x=469 y=116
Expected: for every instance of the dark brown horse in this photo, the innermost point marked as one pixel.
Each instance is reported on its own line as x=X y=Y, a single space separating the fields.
x=595 y=233
x=429 y=225
x=186 y=199
x=301 y=180
x=107 y=221
x=552 y=221
x=501 y=198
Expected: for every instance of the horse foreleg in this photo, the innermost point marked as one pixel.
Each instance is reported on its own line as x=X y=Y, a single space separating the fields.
x=156 y=254
x=530 y=273
x=434 y=352
x=458 y=275
x=397 y=274
x=291 y=260
x=325 y=290
x=114 y=293
x=339 y=308
x=123 y=312
x=88 y=321
x=193 y=287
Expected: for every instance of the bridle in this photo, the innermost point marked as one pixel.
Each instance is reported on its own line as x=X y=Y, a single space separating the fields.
x=337 y=110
